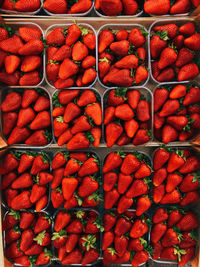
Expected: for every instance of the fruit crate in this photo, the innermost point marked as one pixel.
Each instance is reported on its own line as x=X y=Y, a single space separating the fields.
x=96 y=23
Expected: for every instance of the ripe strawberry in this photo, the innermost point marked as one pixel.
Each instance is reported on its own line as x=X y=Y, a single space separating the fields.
x=122 y=226
x=171 y=29
x=171 y=238
x=10 y=79
x=123 y=183
x=192 y=96
x=27 y=6
x=89 y=39
x=44 y=257
x=32 y=47
x=141 y=74
x=157 y=8
x=169 y=134
x=108 y=238
x=187 y=29
x=29 y=96
x=188 y=222
x=142 y=136
x=21 y=201
x=169 y=254
x=7 y=44
x=11 y=102
x=28 y=33
x=166 y=75
x=189 y=240
x=185 y=56
x=94 y=111
x=26 y=239
x=143 y=204
x=173 y=180
x=111 y=8
x=143 y=111
x=73 y=258
x=110 y=198
x=124 y=204
x=189 y=198
x=160 y=96
x=10 y=194
x=189 y=183
x=13 y=251
x=26 y=219
x=12 y=234
x=158 y=43
x=87 y=187
x=160 y=215
x=138 y=188
x=190 y=252
x=9 y=121
x=130 y=164
x=34 y=249
x=38 y=138
x=30 y=63
x=178 y=91
x=180 y=7
x=25 y=116
x=11 y=62
x=171 y=198
x=69 y=185
x=109 y=256
x=23 y=181
x=59 y=126
x=121 y=244
x=10 y=162
x=188 y=71
x=157 y=232
x=30 y=78
x=178 y=41
x=78 y=141
x=73 y=34
x=40 y=163
x=42 y=103
x=139 y=228
x=57 y=8
x=18 y=135
x=159 y=176
x=191 y=164
x=37 y=192
x=90 y=256
x=113 y=132
x=89 y=76
x=176 y=160
x=7 y=179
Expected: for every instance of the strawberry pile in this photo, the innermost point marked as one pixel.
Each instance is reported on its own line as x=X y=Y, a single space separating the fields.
x=21 y=55
x=25 y=179
x=76 y=237
x=71 y=56
x=26 y=117
x=127 y=117
x=174 y=52
x=27 y=237
x=125 y=182
x=75 y=180
x=122 y=59
x=165 y=7
x=174 y=235
x=21 y=5
x=67 y=7
x=118 y=7
x=176 y=176
x=77 y=118
x=125 y=238
x=176 y=112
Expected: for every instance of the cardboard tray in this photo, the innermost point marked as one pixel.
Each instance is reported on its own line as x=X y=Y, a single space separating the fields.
x=96 y=23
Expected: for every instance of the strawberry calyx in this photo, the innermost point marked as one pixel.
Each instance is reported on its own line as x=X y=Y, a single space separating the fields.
x=196 y=177
x=149 y=249
x=47 y=218
x=48 y=253
x=104 y=60
x=80 y=214
x=60 y=119
x=65 y=154
x=84 y=31
x=52 y=62
x=89 y=136
x=16 y=229
x=15 y=214
x=96 y=159
x=48 y=135
x=164 y=147
x=96 y=197
x=111 y=213
x=163 y=35
x=58 y=190
x=98 y=225
x=121 y=154
x=148 y=181
x=179 y=252
x=180 y=153
x=144 y=32
x=187 y=128
x=90 y=120
x=18 y=245
x=178 y=232
x=32 y=259
x=9 y=29
x=58 y=235
x=16 y=154
x=90 y=242
x=78 y=161
x=132 y=254
x=56 y=102
x=112 y=251
x=194 y=234
x=172 y=46
x=175 y=208
x=39 y=238
x=45 y=157
x=79 y=199
x=121 y=92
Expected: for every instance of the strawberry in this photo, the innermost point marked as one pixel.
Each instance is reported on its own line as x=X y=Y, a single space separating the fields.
x=11 y=62
x=168 y=57
x=113 y=132
x=89 y=39
x=38 y=138
x=174 y=217
x=67 y=69
x=75 y=227
x=41 y=203
x=110 y=198
x=111 y=8
x=34 y=249
x=189 y=240
x=96 y=133
x=87 y=187
x=169 y=134
x=176 y=160
x=196 y=118
x=89 y=76
x=133 y=98
x=195 y=3
x=88 y=62
x=30 y=78
x=42 y=103
x=3 y=33
x=28 y=33
x=25 y=116
x=143 y=204
x=185 y=56
x=26 y=239
x=29 y=96
x=90 y=256
x=188 y=222
x=7 y=179
x=189 y=183
x=160 y=215
x=42 y=223
x=143 y=109
x=71 y=242
x=10 y=220
x=124 y=204
x=10 y=194
x=158 y=121
x=159 y=176
x=108 y=238
x=94 y=112
x=37 y=192
x=10 y=79
x=192 y=42
x=59 y=126
x=123 y=183
x=79 y=51
x=21 y=201
x=23 y=260
x=121 y=244
x=160 y=96
x=123 y=140
x=124 y=112
x=109 y=221
x=7 y=45
x=173 y=180
x=73 y=258
x=80 y=156
x=178 y=91
x=166 y=75
x=18 y=135
x=138 y=187
x=58 y=8
x=191 y=164
x=189 y=198
x=180 y=7
x=171 y=238
x=30 y=63
x=142 y=136
x=171 y=198
x=23 y=181
x=122 y=35
x=58 y=111
x=155 y=70
x=72 y=167
x=32 y=47
x=113 y=161
x=26 y=219
x=43 y=239
x=106 y=37
x=69 y=185
x=11 y=102
x=190 y=253
x=78 y=141
x=157 y=8
x=12 y=234
x=9 y=121
x=122 y=226
x=158 y=43
x=192 y=96
x=178 y=41
x=188 y=71
x=131 y=127
x=139 y=228
x=157 y=232
x=62 y=84
x=10 y=162
x=27 y=6
x=13 y=251
x=171 y=29
x=109 y=256
x=57 y=198
x=130 y=7
x=61 y=221
x=130 y=164
x=187 y=29
x=40 y=163
x=141 y=74
x=71 y=111
x=137 y=37
x=44 y=257
x=169 y=254
x=63 y=52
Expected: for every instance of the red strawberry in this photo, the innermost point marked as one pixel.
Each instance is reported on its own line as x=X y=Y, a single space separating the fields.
x=190 y=253
x=23 y=181
x=159 y=176
x=178 y=91
x=124 y=204
x=9 y=121
x=13 y=251
x=26 y=162
x=73 y=258
x=187 y=29
x=185 y=56
x=122 y=226
x=110 y=198
x=109 y=256
x=7 y=44
x=160 y=96
x=138 y=188
x=192 y=96
x=11 y=62
x=37 y=192
x=111 y=8
x=26 y=219
x=7 y=179
x=170 y=28
x=109 y=221
x=142 y=136
x=69 y=185
x=73 y=34
x=189 y=198
x=89 y=38
x=40 y=163
x=29 y=96
x=18 y=135
x=123 y=183
x=169 y=134
x=160 y=215
x=166 y=75
x=38 y=138
x=141 y=74
x=87 y=187
x=143 y=204
x=12 y=234
x=113 y=132
x=180 y=7
x=78 y=141
x=26 y=239
x=30 y=78
x=44 y=257
x=188 y=222
x=189 y=183
x=171 y=198
x=10 y=162
x=157 y=232
x=139 y=228
x=192 y=42
x=59 y=126
x=58 y=8
x=32 y=47
x=27 y=6
x=176 y=160
x=170 y=107
x=130 y=164
x=10 y=220
x=108 y=238
x=173 y=180
x=189 y=240
x=191 y=164
x=11 y=102
x=157 y=8
x=169 y=254
x=158 y=43
x=121 y=244
x=28 y=33
x=25 y=116
x=188 y=71
x=21 y=201
x=174 y=217
x=171 y=238
x=10 y=194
